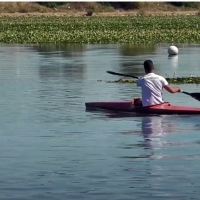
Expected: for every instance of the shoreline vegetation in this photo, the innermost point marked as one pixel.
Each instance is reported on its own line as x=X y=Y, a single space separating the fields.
x=174 y=80
x=94 y=23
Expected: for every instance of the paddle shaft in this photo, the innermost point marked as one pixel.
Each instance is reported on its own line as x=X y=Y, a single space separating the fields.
x=186 y=93
x=193 y=95
x=119 y=74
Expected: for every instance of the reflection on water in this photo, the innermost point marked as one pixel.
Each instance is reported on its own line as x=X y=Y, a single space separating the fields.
x=129 y=51
x=153 y=130
x=70 y=70
x=136 y=50
x=173 y=61
x=156 y=132
x=152 y=125
x=68 y=51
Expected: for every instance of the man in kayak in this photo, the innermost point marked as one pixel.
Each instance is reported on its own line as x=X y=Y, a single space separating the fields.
x=152 y=86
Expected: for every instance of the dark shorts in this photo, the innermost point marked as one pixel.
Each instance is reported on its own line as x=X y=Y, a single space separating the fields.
x=137 y=102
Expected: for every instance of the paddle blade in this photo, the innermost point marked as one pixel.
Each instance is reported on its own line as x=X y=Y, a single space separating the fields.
x=196 y=96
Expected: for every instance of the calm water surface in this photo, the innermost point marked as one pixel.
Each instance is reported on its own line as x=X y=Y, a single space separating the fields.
x=51 y=148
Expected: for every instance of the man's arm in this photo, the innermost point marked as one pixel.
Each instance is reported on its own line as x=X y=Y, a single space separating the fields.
x=172 y=89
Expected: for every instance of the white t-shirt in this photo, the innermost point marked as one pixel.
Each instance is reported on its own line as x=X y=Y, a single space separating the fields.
x=152 y=85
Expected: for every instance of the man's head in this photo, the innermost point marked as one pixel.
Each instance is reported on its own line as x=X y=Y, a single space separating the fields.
x=148 y=66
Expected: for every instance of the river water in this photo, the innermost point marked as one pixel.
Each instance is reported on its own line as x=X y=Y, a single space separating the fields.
x=51 y=148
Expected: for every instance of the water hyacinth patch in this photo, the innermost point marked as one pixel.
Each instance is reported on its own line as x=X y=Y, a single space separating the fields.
x=177 y=80
x=139 y=29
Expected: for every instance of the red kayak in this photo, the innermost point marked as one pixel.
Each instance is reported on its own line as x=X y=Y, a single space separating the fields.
x=128 y=106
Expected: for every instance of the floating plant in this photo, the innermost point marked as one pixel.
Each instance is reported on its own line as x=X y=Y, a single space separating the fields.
x=129 y=29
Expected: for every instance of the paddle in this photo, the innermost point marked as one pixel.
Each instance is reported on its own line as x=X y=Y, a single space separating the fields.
x=115 y=73
x=195 y=95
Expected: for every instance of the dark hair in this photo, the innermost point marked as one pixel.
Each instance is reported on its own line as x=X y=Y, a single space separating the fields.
x=148 y=66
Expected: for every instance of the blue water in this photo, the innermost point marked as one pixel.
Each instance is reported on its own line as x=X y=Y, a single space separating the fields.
x=51 y=148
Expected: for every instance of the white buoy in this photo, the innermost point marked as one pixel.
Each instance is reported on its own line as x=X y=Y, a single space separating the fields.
x=172 y=50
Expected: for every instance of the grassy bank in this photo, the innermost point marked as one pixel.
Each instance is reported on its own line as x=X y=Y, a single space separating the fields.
x=72 y=8
x=139 y=29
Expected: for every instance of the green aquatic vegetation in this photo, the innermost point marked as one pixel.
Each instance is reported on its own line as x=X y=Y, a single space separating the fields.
x=140 y=29
x=184 y=80
x=174 y=80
